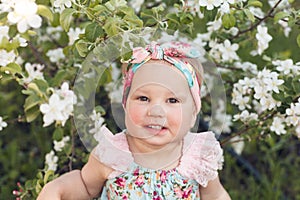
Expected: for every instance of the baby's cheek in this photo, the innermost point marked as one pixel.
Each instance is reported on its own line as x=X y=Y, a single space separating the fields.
x=136 y=115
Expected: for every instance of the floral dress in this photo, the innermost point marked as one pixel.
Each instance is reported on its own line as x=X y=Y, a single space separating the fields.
x=201 y=157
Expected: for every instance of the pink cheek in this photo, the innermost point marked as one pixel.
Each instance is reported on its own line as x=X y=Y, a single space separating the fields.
x=136 y=115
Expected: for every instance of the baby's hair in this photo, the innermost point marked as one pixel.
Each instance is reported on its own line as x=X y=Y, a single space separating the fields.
x=195 y=63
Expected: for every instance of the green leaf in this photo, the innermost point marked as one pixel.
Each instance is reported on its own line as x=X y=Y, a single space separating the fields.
x=12 y=68
x=81 y=47
x=93 y=31
x=31 y=101
x=45 y=12
x=255 y=3
x=173 y=17
x=66 y=18
x=134 y=20
x=298 y=40
x=48 y=174
x=296 y=84
x=112 y=26
x=228 y=21
x=280 y=15
x=42 y=84
x=59 y=77
x=278 y=96
x=249 y=15
x=32 y=114
x=58 y=134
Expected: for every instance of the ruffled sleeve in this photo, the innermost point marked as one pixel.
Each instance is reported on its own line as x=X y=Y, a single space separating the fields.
x=202 y=157
x=113 y=151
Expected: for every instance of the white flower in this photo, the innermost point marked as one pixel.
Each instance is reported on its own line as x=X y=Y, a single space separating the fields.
x=55 y=55
x=225 y=8
x=278 y=126
x=3 y=124
x=286 y=28
x=59 y=145
x=273 y=83
x=210 y=4
x=237 y=144
x=268 y=102
x=260 y=92
x=245 y=116
x=257 y=12
x=62 y=4
x=51 y=161
x=22 y=41
x=242 y=102
x=34 y=71
x=98 y=122
x=6 y=57
x=247 y=66
x=228 y=51
x=263 y=38
x=53 y=111
x=136 y=4
x=298 y=131
x=60 y=106
x=285 y=66
x=3 y=32
x=6 y=5
x=24 y=14
x=74 y=34
x=214 y=25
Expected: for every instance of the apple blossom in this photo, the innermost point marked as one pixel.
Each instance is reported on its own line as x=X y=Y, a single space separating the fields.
x=98 y=122
x=228 y=51
x=53 y=111
x=51 y=161
x=278 y=126
x=74 y=34
x=34 y=71
x=285 y=66
x=136 y=4
x=59 y=145
x=6 y=57
x=4 y=32
x=24 y=14
x=263 y=38
x=62 y=4
x=237 y=144
x=55 y=55
x=210 y=4
x=3 y=124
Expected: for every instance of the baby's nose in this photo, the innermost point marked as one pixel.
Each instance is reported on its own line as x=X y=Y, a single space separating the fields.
x=156 y=111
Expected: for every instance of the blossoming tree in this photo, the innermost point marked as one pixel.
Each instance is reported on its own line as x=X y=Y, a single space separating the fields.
x=44 y=45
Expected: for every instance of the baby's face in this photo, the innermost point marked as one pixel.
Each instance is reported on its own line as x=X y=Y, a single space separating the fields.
x=160 y=108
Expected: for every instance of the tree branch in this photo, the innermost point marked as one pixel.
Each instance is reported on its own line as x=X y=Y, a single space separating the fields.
x=269 y=14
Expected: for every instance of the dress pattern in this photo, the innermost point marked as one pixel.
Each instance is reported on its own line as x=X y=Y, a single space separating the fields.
x=143 y=183
x=200 y=161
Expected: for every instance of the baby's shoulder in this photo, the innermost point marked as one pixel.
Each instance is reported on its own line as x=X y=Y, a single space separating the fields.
x=202 y=157
x=113 y=150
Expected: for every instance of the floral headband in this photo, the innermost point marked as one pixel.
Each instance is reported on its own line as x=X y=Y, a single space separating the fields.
x=171 y=52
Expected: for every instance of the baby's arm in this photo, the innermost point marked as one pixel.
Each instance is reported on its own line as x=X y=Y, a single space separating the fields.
x=214 y=191
x=77 y=184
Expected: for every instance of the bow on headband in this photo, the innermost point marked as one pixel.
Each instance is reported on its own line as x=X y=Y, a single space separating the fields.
x=173 y=53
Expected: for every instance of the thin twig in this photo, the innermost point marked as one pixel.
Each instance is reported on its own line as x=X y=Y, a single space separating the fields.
x=269 y=14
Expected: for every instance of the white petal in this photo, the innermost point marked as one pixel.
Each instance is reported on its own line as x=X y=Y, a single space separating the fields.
x=35 y=21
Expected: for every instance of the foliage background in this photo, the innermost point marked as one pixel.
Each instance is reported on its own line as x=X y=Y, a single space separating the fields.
x=268 y=165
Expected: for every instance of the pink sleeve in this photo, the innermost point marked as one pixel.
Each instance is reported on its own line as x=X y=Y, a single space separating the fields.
x=113 y=151
x=202 y=157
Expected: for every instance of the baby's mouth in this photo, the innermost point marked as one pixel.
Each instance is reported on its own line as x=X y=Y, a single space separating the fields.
x=156 y=127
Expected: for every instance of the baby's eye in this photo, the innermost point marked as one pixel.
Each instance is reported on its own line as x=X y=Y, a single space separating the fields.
x=143 y=98
x=173 y=100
